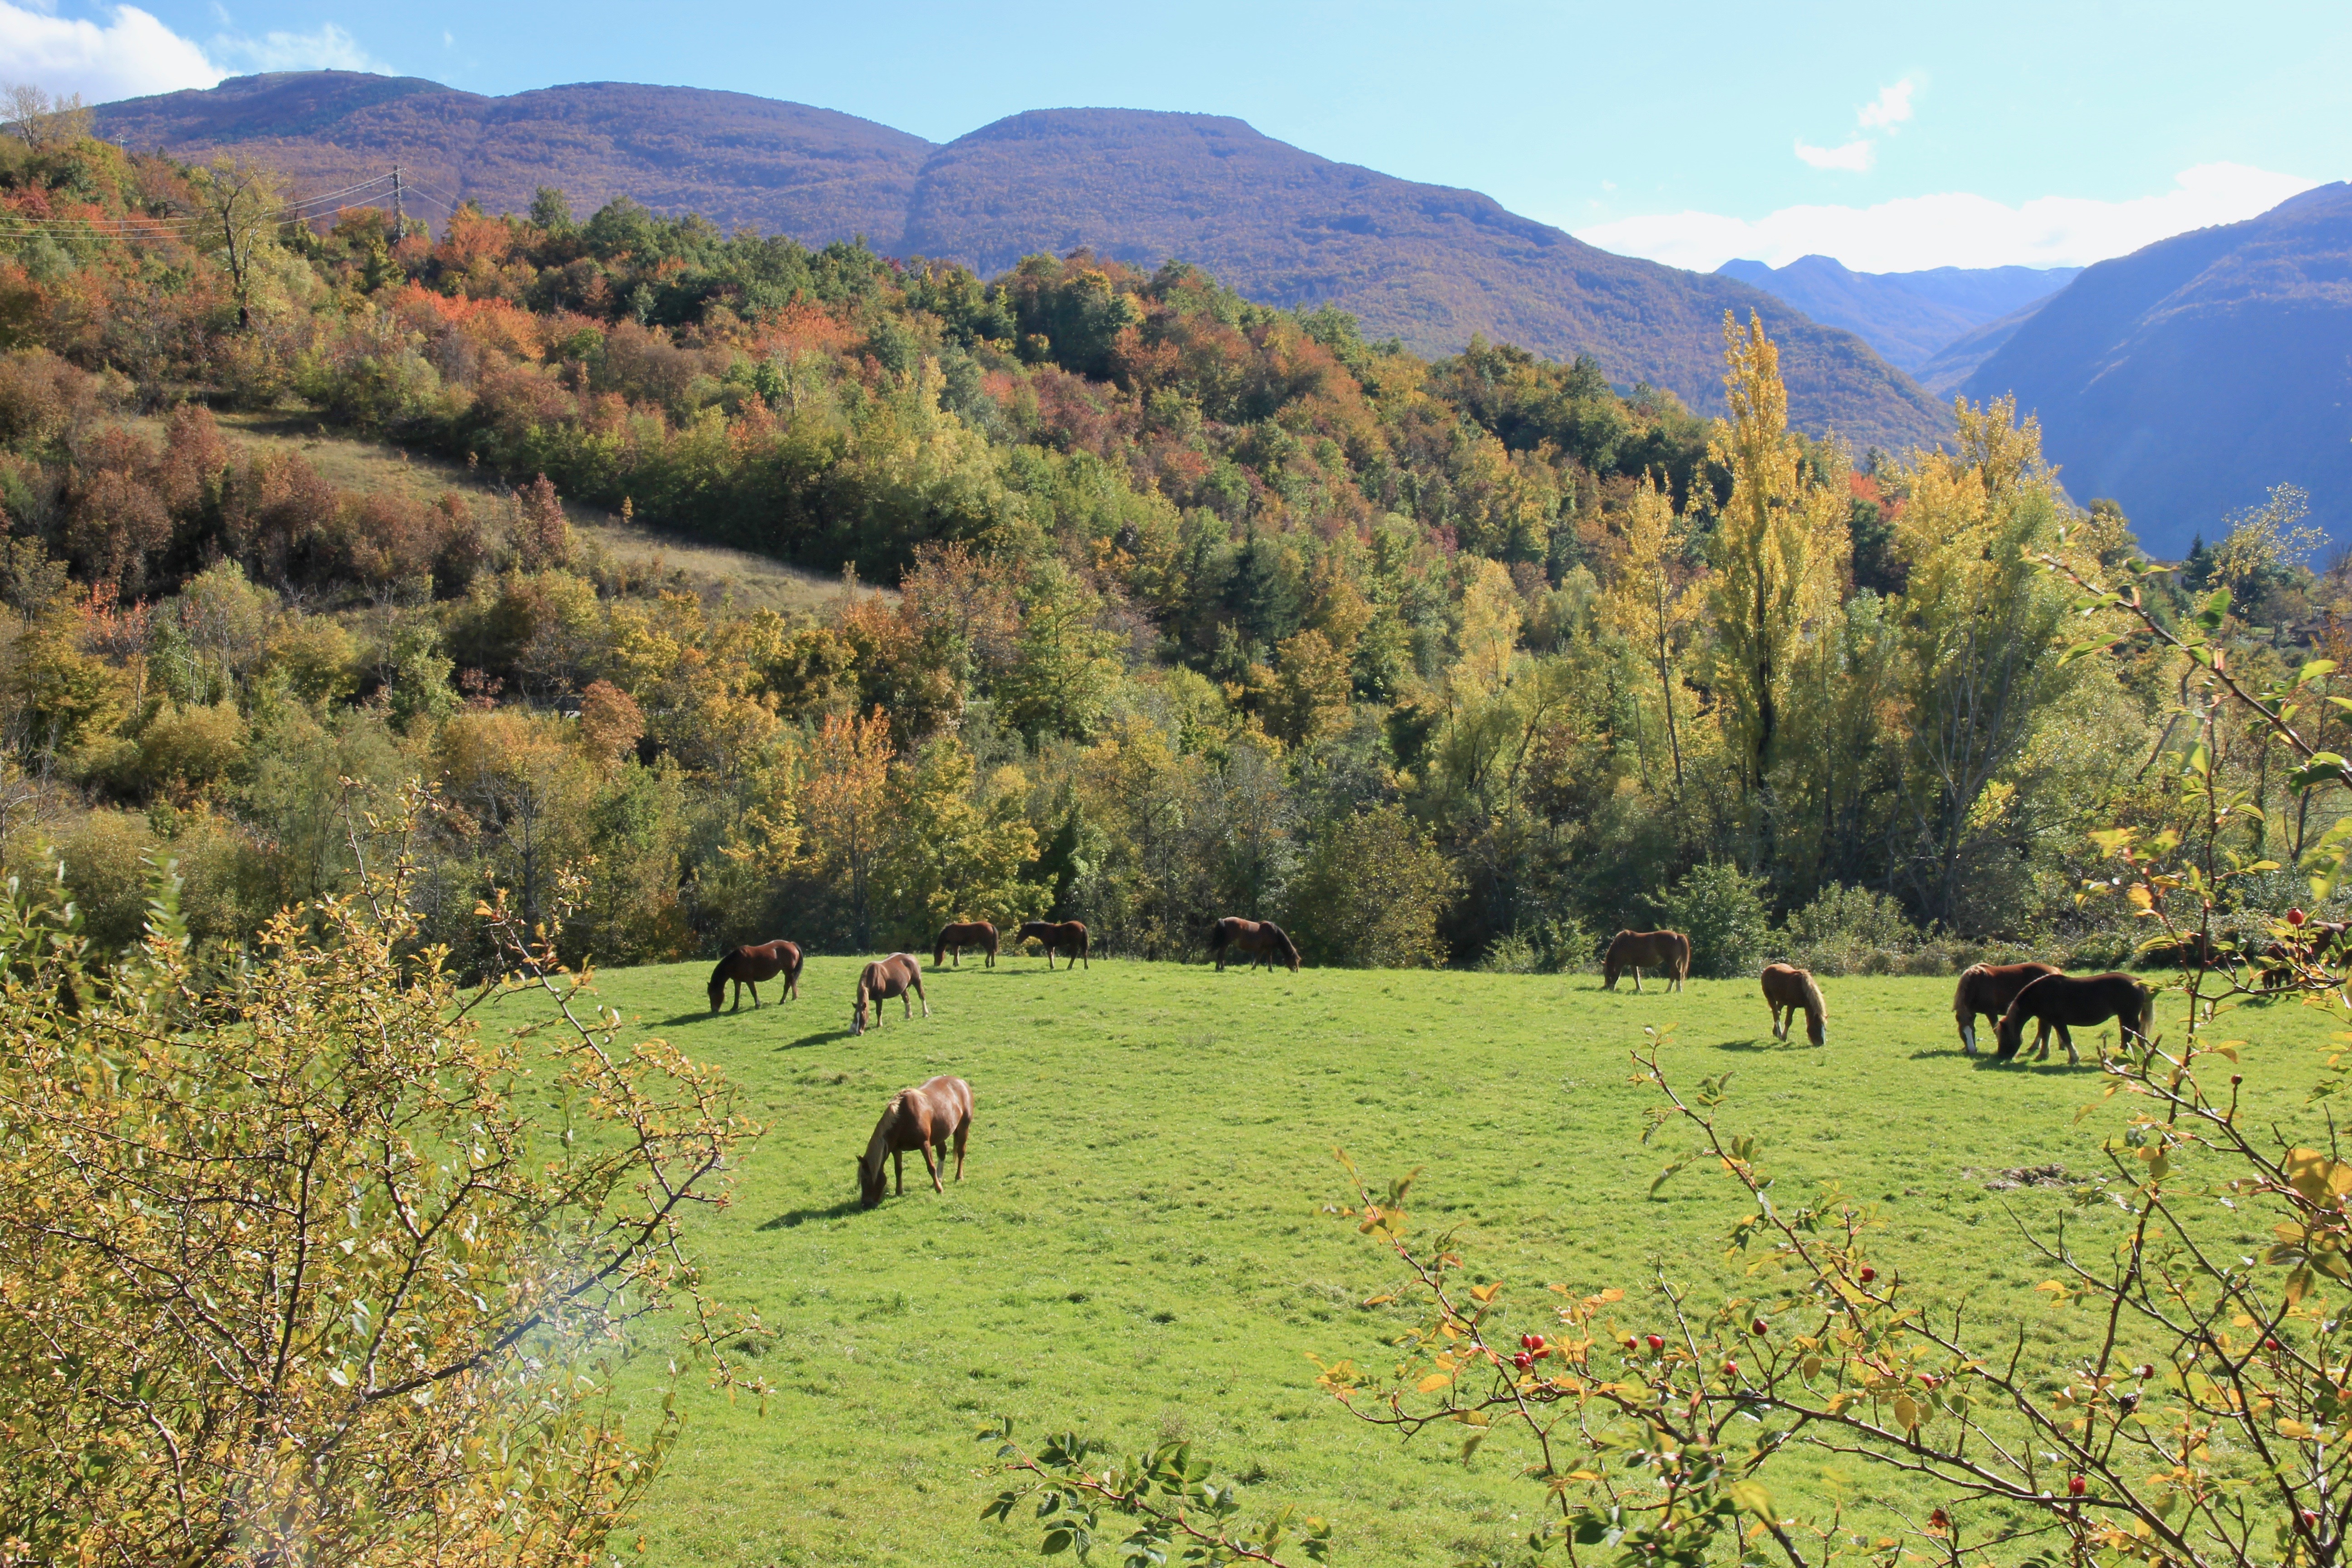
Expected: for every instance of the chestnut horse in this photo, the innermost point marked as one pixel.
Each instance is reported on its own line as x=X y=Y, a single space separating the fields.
x=974 y=933
x=1067 y=938
x=1638 y=950
x=2055 y=1001
x=750 y=965
x=924 y=1117
x=897 y=975
x=1990 y=988
x=1788 y=988
x=1264 y=940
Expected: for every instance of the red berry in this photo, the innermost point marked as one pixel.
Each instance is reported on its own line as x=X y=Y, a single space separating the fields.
x=2270 y=1345
x=1757 y=1327
x=2295 y=917
x=1731 y=1369
x=1532 y=1341
x=2311 y=1519
x=2147 y=1371
x=1939 y=1519
x=1868 y=1274
x=2075 y=1486
x=1632 y=1343
x=1523 y=1360
x=1657 y=1342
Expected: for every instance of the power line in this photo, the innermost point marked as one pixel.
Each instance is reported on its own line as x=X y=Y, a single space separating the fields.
x=180 y=225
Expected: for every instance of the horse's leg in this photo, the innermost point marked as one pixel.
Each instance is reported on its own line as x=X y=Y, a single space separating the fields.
x=900 y=1157
x=933 y=1165
x=2074 y=1059
x=927 y=1001
x=1637 y=980
x=755 y=995
x=963 y=1132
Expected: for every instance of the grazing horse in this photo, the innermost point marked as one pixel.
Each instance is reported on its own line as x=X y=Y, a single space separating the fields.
x=1639 y=949
x=1788 y=988
x=1264 y=940
x=1067 y=938
x=2314 y=946
x=750 y=965
x=1990 y=988
x=2056 y=1001
x=956 y=938
x=897 y=975
x=924 y=1117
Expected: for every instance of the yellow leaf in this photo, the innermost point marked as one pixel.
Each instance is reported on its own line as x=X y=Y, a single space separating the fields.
x=1486 y=1292
x=1906 y=1412
x=1432 y=1382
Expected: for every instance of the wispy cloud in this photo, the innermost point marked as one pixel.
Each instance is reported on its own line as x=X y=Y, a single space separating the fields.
x=132 y=54
x=1856 y=156
x=1885 y=115
x=1955 y=229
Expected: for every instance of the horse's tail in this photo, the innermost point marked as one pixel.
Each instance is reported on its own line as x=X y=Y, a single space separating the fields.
x=1218 y=933
x=991 y=941
x=1970 y=977
x=1682 y=956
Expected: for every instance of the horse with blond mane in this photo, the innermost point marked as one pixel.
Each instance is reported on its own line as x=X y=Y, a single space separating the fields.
x=898 y=975
x=1666 y=950
x=750 y=965
x=955 y=937
x=1264 y=940
x=1989 y=989
x=926 y=1116
x=1787 y=990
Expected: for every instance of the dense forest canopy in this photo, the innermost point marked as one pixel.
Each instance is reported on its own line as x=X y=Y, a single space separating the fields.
x=1182 y=605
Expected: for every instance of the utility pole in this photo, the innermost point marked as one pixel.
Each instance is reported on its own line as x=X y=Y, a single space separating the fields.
x=399 y=211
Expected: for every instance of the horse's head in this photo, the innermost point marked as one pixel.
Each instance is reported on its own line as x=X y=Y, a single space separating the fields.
x=857 y=1014
x=2009 y=1034
x=871 y=1181
x=718 y=986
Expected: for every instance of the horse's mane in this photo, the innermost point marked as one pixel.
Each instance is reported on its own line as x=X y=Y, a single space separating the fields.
x=879 y=1146
x=1815 y=1006
x=1289 y=947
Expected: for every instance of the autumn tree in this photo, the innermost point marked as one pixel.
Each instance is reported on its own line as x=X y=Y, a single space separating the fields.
x=244 y=203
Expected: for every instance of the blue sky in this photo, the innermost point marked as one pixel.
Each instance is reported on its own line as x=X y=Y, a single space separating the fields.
x=1889 y=135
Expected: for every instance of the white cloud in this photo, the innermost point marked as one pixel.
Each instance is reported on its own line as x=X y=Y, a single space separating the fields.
x=1890 y=110
x=329 y=49
x=1856 y=156
x=1955 y=229
x=130 y=55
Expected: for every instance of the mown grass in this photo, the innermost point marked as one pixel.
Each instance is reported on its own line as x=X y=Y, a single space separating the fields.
x=1141 y=1249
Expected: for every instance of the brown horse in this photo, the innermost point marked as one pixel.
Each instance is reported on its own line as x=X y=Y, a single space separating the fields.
x=973 y=933
x=2316 y=945
x=1788 y=988
x=897 y=975
x=1990 y=988
x=750 y=965
x=1067 y=938
x=1264 y=940
x=2055 y=1001
x=1638 y=950
x=925 y=1118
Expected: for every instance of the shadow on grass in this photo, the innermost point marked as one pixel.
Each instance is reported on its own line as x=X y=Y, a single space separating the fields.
x=1766 y=1043
x=822 y=1037
x=841 y=1210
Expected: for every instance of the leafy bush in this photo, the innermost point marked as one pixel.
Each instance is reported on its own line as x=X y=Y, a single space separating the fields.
x=1721 y=910
x=1547 y=947
x=1849 y=930
x=1370 y=894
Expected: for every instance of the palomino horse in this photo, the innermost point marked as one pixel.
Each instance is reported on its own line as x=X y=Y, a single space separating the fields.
x=750 y=965
x=2055 y=1001
x=1264 y=940
x=1990 y=988
x=1788 y=988
x=1638 y=950
x=925 y=1118
x=897 y=975
x=1067 y=938
x=956 y=938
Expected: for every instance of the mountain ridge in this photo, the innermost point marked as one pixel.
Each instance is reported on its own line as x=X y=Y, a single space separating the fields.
x=1910 y=317
x=1431 y=264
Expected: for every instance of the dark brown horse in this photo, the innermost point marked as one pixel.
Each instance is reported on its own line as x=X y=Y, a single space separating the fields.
x=1264 y=942
x=1788 y=989
x=1067 y=938
x=2315 y=945
x=956 y=938
x=926 y=1118
x=2057 y=1000
x=1990 y=988
x=750 y=965
x=897 y=975
x=1666 y=951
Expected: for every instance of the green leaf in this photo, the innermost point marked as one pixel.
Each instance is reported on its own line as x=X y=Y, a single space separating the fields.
x=1056 y=1541
x=2313 y=670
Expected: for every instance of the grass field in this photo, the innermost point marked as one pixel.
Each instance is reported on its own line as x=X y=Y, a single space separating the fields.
x=1139 y=1251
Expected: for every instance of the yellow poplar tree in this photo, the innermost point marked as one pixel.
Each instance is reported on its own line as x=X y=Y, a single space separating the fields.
x=1779 y=548
x=1644 y=605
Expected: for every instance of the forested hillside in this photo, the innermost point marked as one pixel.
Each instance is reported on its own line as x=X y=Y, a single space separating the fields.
x=1426 y=265
x=1201 y=606
x=2188 y=378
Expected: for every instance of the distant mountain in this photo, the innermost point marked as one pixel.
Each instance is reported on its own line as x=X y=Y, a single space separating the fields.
x=2187 y=378
x=1427 y=264
x=1908 y=317
x=1949 y=369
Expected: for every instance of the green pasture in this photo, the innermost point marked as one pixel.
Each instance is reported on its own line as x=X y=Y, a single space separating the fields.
x=1141 y=1250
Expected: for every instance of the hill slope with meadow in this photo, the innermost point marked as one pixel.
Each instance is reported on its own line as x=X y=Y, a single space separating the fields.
x=1430 y=265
